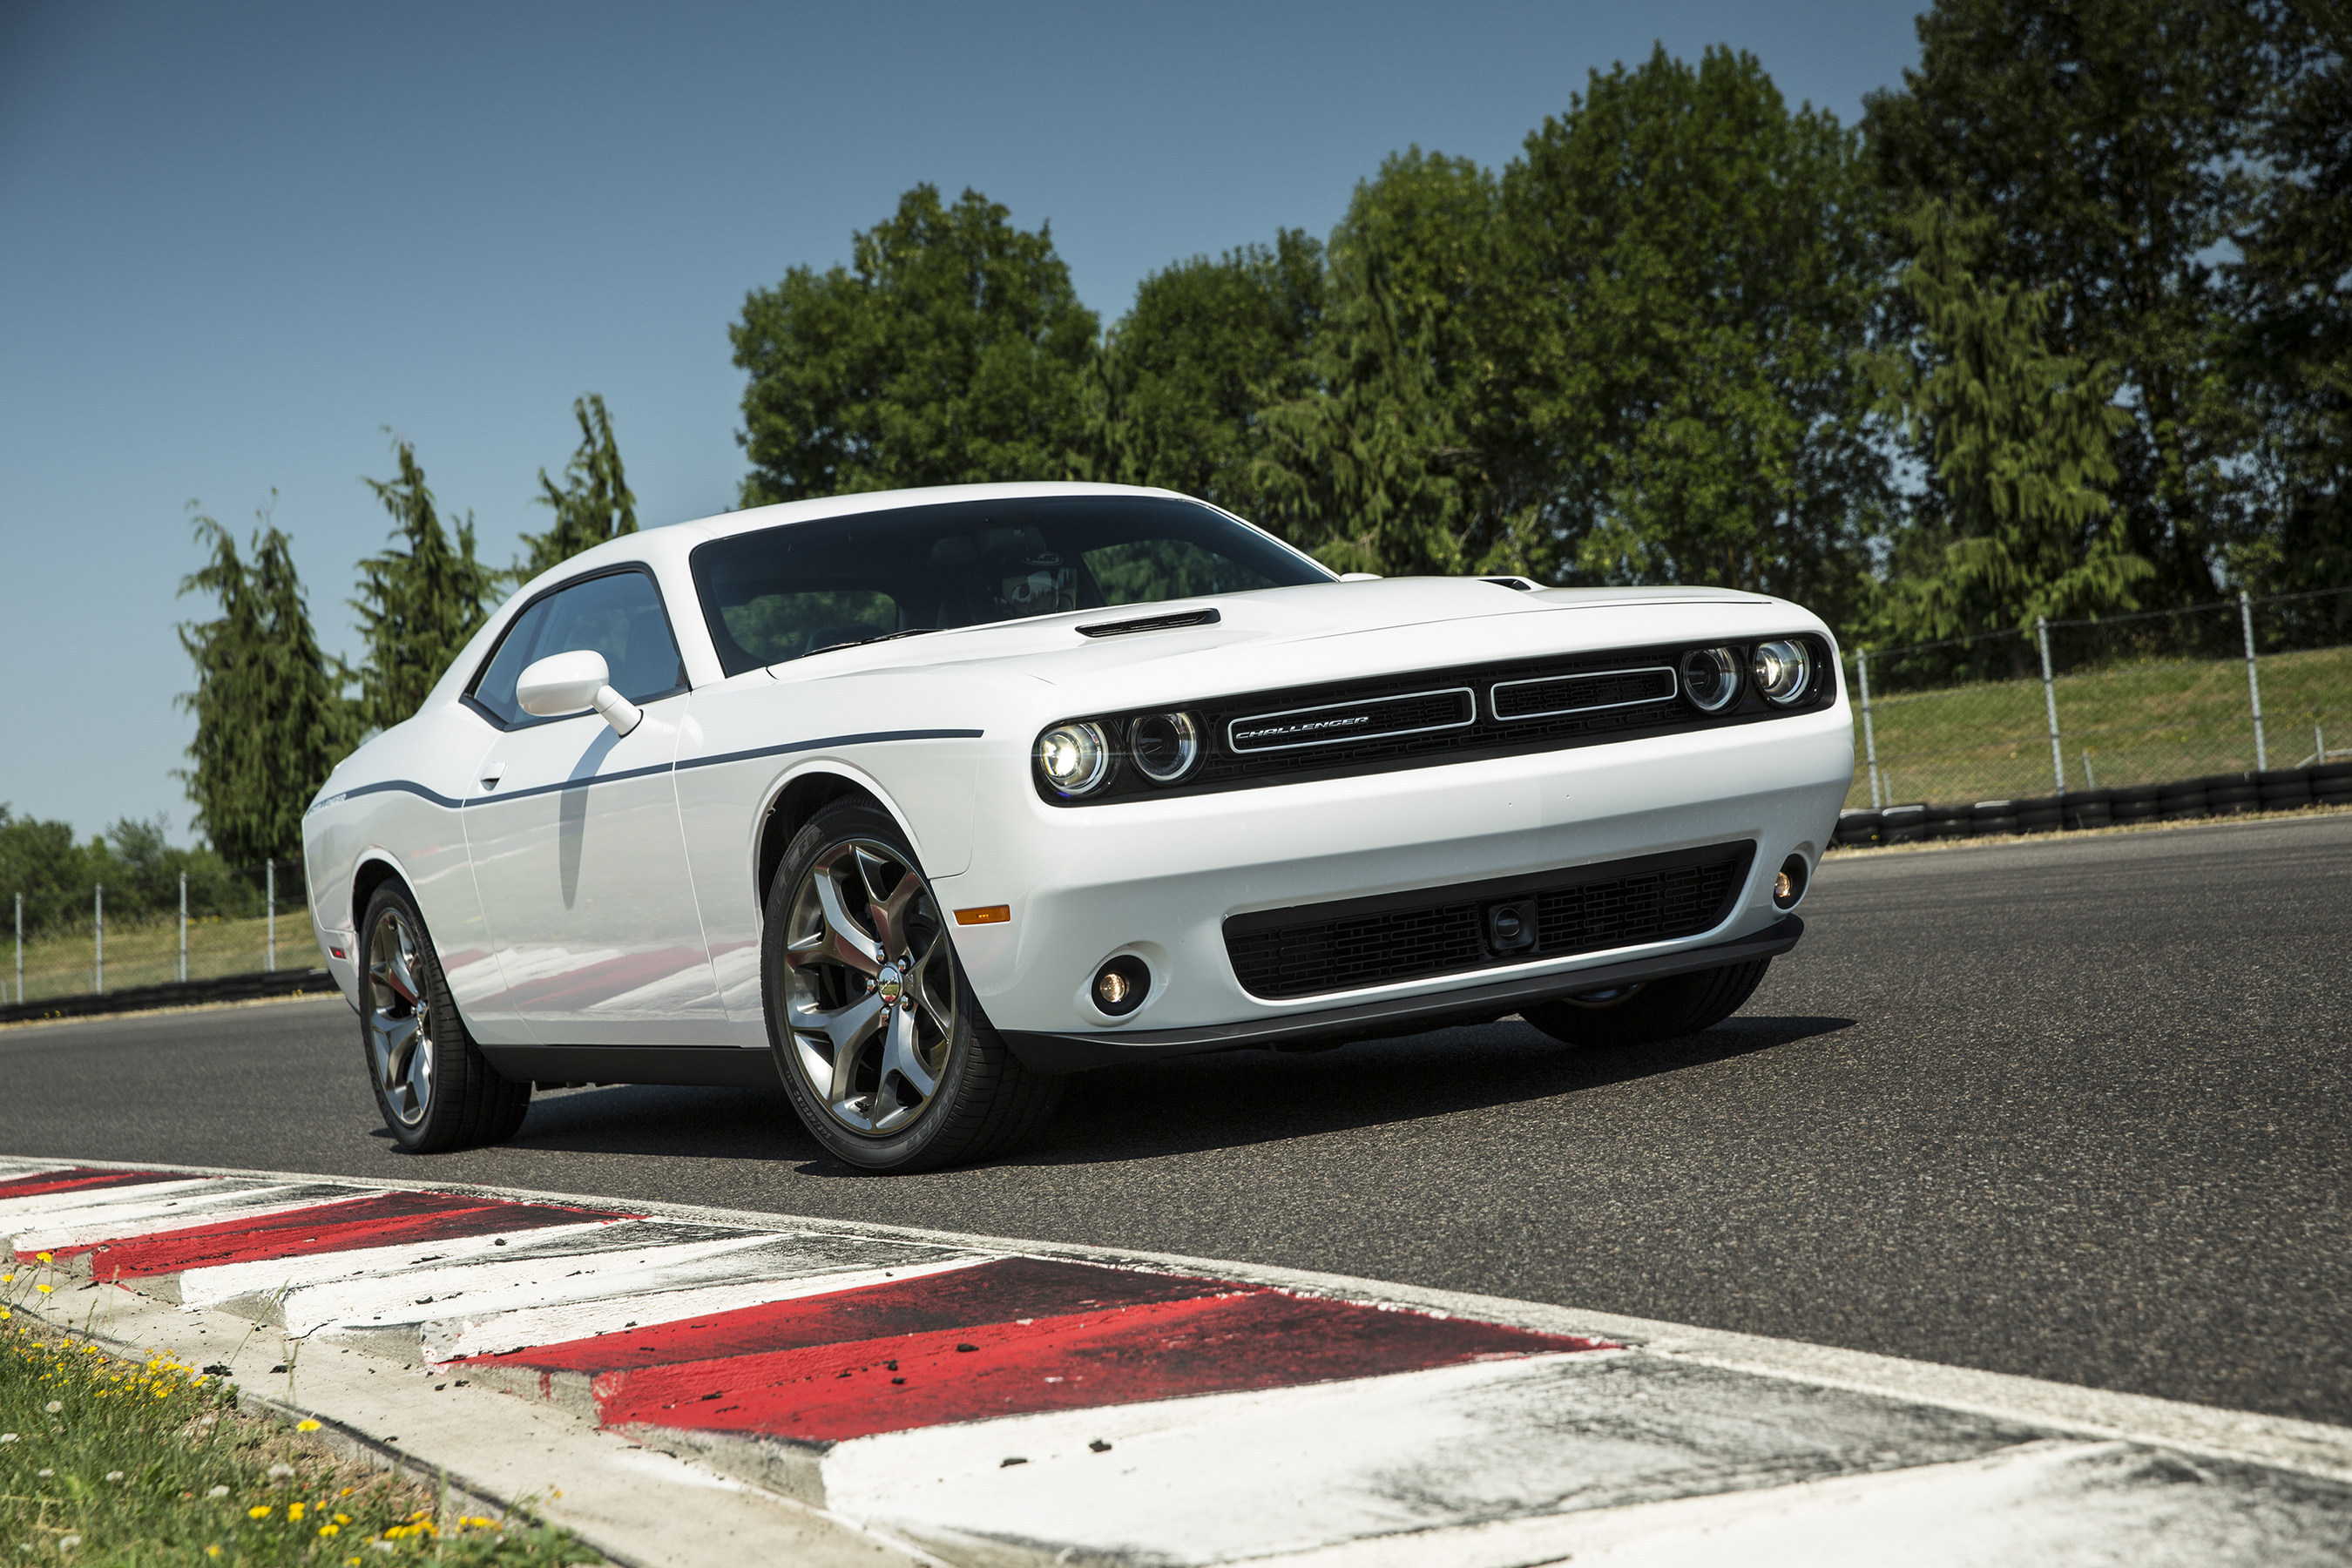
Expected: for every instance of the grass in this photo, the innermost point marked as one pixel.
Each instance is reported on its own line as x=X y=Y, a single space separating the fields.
x=2138 y=723
x=110 y=1463
x=64 y=963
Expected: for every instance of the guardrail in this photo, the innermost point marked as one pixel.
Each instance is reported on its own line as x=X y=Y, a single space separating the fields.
x=175 y=993
x=2327 y=784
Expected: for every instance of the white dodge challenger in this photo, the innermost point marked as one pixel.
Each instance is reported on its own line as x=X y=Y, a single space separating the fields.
x=915 y=803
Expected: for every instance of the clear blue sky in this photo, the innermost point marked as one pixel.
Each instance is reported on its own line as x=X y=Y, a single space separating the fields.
x=237 y=241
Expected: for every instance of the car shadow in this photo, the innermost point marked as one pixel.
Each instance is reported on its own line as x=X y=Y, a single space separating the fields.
x=1233 y=1098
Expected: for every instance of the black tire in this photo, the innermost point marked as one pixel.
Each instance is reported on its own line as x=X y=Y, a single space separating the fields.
x=982 y=1101
x=1661 y=1010
x=433 y=1088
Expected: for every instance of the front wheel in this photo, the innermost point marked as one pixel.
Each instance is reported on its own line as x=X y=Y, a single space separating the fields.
x=881 y=1043
x=1655 y=1010
x=433 y=1086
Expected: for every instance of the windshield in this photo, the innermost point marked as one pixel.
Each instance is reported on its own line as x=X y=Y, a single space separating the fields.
x=784 y=593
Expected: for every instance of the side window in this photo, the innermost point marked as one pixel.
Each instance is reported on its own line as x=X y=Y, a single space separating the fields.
x=619 y=616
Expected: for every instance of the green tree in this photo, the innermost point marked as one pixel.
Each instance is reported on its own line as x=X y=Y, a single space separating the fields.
x=1207 y=343
x=592 y=504
x=2108 y=140
x=2017 y=442
x=419 y=602
x=1685 y=273
x=2292 y=299
x=42 y=861
x=271 y=720
x=951 y=351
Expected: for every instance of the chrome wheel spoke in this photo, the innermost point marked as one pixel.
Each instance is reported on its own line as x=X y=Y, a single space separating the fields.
x=902 y=1054
x=932 y=973
x=869 y=1022
x=399 y=1019
x=838 y=938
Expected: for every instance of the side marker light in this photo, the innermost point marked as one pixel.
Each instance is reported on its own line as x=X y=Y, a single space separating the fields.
x=986 y=915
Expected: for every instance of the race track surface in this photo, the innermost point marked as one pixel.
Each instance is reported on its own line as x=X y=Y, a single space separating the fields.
x=2076 y=1110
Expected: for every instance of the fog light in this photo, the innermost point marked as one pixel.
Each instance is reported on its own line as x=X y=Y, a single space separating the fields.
x=1074 y=757
x=1784 y=672
x=1710 y=678
x=1789 y=885
x=1121 y=985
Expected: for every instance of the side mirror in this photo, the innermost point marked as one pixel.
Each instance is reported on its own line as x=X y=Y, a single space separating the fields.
x=571 y=683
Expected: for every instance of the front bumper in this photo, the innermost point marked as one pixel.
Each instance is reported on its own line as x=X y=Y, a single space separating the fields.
x=1477 y=1004
x=1158 y=880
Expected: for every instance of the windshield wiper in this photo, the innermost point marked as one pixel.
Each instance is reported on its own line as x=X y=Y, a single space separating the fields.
x=879 y=637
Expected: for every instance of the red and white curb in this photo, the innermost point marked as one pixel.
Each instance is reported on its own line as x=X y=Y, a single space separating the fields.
x=985 y=1402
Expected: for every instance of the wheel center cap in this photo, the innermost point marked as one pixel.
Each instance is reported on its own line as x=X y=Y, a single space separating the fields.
x=889 y=985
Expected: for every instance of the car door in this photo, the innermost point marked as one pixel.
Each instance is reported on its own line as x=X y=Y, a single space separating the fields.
x=573 y=834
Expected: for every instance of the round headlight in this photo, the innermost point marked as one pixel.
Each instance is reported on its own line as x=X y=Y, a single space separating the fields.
x=1074 y=757
x=1784 y=672
x=1710 y=678
x=1164 y=745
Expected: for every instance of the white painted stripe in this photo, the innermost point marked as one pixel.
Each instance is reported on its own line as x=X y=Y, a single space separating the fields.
x=227 y=1282
x=85 y=1226
x=146 y=1192
x=503 y=1284
x=1228 y=1476
x=2045 y=1503
x=445 y=1341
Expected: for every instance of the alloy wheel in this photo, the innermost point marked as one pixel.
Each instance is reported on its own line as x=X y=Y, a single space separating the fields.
x=869 y=1002
x=400 y=1019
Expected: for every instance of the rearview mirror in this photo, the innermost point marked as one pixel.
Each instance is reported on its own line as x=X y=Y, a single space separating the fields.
x=571 y=683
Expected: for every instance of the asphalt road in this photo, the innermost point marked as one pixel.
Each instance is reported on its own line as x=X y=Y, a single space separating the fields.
x=2076 y=1108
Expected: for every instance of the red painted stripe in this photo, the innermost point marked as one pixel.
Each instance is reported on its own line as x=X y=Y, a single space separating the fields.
x=82 y=1181
x=382 y=1219
x=994 y=1292
x=1165 y=1349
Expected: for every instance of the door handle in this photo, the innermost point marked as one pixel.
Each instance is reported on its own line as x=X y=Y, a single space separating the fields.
x=492 y=775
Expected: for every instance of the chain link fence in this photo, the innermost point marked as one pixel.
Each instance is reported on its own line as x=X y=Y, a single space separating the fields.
x=248 y=920
x=2232 y=697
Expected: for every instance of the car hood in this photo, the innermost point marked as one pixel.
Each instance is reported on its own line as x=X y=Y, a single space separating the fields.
x=1293 y=637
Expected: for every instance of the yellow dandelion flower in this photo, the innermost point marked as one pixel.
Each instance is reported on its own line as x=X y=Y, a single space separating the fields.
x=212 y=1550
x=44 y=1289
x=42 y=1256
x=331 y=1530
x=259 y=1510
x=343 y=1519
x=306 y=1425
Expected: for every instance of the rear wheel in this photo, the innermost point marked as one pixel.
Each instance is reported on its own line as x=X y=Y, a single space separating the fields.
x=433 y=1086
x=882 y=1047
x=1655 y=1010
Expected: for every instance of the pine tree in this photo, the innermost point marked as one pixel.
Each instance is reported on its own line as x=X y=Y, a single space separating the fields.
x=272 y=720
x=2018 y=441
x=593 y=503
x=419 y=603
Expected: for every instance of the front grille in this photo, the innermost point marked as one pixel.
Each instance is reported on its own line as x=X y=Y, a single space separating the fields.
x=1312 y=949
x=1429 y=717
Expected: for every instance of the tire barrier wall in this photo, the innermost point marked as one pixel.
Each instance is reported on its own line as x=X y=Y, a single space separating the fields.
x=2216 y=795
x=181 y=993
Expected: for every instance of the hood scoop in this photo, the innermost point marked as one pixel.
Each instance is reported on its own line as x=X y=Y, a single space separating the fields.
x=1149 y=623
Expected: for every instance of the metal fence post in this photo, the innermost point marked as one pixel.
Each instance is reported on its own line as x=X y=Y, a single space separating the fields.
x=2090 y=779
x=101 y=907
x=1869 y=739
x=2049 y=700
x=183 y=927
x=270 y=876
x=2253 y=682
x=20 y=949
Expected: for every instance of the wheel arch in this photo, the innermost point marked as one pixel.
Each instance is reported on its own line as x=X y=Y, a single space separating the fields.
x=375 y=868
x=801 y=797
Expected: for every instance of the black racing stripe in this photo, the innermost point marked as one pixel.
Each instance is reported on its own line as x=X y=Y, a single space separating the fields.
x=869 y=737
x=403 y=785
x=833 y=740
x=567 y=784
